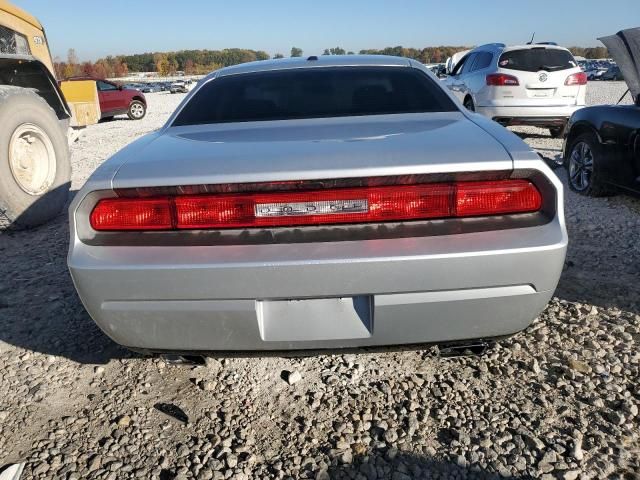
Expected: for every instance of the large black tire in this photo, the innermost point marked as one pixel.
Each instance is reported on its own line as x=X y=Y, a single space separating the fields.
x=588 y=180
x=27 y=120
x=137 y=110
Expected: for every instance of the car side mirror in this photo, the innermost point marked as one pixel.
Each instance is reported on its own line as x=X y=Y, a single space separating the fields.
x=120 y=87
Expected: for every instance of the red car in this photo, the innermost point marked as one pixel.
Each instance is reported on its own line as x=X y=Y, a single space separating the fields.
x=116 y=100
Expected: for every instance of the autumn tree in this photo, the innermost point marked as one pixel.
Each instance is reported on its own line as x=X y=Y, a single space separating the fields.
x=162 y=64
x=120 y=68
x=189 y=67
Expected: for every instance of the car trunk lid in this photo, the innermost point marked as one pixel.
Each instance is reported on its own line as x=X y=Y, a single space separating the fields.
x=313 y=149
x=624 y=47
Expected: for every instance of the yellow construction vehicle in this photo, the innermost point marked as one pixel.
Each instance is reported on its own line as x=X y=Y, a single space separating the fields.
x=35 y=121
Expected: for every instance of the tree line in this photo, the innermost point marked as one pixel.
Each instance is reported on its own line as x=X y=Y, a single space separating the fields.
x=195 y=62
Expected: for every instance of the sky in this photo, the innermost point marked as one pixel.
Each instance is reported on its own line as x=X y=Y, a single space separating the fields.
x=99 y=28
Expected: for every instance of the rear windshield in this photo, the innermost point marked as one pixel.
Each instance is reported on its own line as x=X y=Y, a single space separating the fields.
x=314 y=93
x=535 y=59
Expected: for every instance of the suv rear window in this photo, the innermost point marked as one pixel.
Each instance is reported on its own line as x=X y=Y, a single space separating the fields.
x=535 y=59
x=314 y=93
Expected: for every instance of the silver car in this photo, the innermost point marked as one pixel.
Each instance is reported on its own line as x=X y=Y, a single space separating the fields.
x=318 y=203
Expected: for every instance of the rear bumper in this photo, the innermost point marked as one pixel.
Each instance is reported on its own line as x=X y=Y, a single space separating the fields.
x=528 y=115
x=359 y=293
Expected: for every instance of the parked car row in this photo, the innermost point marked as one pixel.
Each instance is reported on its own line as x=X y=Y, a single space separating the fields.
x=544 y=86
x=151 y=87
x=601 y=70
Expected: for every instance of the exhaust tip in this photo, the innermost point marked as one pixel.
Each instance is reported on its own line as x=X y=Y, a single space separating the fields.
x=474 y=349
x=187 y=360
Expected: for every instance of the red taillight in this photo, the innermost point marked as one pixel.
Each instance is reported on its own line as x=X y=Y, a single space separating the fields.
x=345 y=205
x=318 y=207
x=501 y=80
x=579 y=78
x=495 y=198
x=132 y=214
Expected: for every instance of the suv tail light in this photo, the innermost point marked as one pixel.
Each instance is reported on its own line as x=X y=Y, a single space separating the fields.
x=390 y=203
x=579 y=78
x=501 y=80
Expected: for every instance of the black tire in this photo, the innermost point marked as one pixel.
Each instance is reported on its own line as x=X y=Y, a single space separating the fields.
x=469 y=105
x=556 y=132
x=135 y=107
x=22 y=110
x=591 y=184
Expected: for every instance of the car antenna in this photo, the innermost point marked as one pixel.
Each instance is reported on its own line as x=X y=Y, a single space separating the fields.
x=532 y=37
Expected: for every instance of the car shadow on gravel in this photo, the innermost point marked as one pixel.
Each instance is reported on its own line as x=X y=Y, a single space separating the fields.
x=39 y=308
x=530 y=135
x=406 y=466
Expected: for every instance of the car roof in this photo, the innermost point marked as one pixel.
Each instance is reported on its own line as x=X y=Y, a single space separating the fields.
x=312 y=62
x=495 y=47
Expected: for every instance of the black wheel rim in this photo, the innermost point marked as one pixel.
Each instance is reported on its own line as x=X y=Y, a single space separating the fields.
x=581 y=166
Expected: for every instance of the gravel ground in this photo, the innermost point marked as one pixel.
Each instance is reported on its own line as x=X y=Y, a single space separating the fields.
x=559 y=400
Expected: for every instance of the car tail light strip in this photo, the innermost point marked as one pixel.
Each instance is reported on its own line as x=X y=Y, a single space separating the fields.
x=502 y=80
x=579 y=78
x=317 y=207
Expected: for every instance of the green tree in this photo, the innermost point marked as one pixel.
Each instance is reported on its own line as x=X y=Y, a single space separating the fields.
x=278 y=55
x=296 y=52
x=335 y=51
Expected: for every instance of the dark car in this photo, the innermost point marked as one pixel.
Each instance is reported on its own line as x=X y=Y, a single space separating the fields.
x=602 y=143
x=612 y=73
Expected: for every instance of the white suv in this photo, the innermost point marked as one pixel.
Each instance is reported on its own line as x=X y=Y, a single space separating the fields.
x=539 y=84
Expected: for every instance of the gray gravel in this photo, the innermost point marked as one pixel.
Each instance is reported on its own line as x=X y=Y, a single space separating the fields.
x=559 y=400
